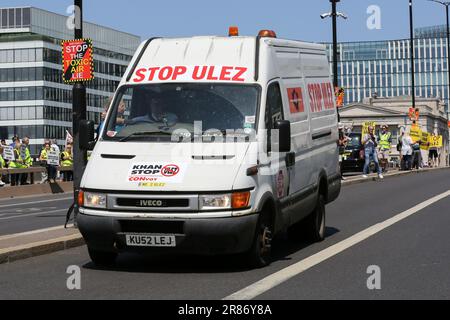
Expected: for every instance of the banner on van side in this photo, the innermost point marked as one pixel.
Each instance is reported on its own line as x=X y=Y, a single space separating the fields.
x=296 y=103
x=156 y=174
x=321 y=96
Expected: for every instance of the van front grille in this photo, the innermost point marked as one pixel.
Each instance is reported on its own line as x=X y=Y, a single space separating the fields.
x=153 y=203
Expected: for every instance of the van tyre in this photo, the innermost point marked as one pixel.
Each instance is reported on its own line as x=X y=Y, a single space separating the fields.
x=315 y=222
x=102 y=258
x=260 y=253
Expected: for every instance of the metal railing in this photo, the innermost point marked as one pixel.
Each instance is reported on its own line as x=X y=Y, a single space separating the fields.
x=32 y=171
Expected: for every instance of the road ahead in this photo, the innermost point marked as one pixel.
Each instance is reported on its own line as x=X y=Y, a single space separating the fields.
x=31 y=213
x=412 y=252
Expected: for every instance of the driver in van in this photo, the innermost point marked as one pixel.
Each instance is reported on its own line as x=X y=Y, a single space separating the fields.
x=156 y=114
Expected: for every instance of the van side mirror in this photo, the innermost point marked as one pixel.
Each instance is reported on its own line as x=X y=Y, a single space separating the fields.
x=284 y=129
x=87 y=133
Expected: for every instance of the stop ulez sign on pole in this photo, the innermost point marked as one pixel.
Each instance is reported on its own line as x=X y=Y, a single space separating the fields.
x=78 y=62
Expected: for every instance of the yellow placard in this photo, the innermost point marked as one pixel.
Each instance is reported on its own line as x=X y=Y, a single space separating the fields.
x=415 y=133
x=435 y=141
x=425 y=141
x=366 y=125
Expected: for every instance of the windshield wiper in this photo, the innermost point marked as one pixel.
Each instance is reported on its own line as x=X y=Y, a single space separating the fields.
x=145 y=133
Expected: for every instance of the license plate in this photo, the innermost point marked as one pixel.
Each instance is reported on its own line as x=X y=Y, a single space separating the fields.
x=147 y=240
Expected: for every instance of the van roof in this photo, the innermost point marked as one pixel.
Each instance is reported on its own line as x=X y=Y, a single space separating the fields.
x=200 y=51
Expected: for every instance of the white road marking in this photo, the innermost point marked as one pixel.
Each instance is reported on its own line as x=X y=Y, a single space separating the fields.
x=34 y=202
x=33 y=214
x=15 y=235
x=285 y=274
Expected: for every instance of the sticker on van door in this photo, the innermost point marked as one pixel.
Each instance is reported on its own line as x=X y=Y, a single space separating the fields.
x=156 y=174
x=296 y=103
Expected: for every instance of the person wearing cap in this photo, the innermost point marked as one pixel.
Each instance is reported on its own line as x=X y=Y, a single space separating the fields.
x=384 y=143
x=369 y=141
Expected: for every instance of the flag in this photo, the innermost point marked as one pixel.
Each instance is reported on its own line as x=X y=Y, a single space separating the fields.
x=69 y=138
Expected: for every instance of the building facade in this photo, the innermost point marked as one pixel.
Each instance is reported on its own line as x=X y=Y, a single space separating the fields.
x=34 y=101
x=383 y=69
x=393 y=112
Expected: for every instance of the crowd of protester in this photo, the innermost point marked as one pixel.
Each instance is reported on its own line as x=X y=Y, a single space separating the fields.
x=24 y=160
x=376 y=149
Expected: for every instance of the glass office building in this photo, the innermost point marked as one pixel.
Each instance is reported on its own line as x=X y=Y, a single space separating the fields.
x=34 y=101
x=382 y=68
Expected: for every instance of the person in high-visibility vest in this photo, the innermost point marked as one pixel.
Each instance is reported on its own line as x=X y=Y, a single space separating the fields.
x=18 y=163
x=51 y=170
x=67 y=161
x=28 y=161
x=384 y=144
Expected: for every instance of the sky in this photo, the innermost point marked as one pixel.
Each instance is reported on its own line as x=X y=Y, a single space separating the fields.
x=291 y=19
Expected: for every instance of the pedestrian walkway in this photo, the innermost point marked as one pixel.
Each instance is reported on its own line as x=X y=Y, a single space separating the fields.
x=34 y=243
x=392 y=173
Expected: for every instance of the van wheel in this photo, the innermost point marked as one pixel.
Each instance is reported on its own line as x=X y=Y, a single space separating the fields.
x=260 y=253
x=102 y=258
x=315 y=222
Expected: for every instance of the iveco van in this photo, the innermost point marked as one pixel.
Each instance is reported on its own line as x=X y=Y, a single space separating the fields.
x=212 y=145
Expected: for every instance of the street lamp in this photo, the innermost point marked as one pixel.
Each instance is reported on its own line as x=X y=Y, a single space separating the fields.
x=411 y=34
x=334 y=14
x=79 y=113
x=446 y=5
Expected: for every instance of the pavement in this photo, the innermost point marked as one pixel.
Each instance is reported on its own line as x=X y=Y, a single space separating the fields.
x=398 y=226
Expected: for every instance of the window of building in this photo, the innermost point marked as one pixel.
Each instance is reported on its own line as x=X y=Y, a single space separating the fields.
x=26 y=17
x=4 y=18
x=11 y=16
x=18 y=17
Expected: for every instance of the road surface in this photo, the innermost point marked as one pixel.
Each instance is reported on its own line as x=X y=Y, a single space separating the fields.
x=399 y=226
x=31 y=213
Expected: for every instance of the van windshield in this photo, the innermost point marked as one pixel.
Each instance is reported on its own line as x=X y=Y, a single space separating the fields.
x=160 y=111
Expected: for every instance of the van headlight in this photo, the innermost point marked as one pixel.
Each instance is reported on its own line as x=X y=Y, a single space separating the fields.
x=236 y=200
x=94 y=200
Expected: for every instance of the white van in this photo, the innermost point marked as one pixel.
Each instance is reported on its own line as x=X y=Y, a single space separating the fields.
x=212 y=145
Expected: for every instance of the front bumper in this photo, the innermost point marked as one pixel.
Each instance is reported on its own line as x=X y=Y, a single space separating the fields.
x=205 y=236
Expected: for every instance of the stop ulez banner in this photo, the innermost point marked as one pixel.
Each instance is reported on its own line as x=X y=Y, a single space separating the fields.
x=77 y=60
x=436 y=141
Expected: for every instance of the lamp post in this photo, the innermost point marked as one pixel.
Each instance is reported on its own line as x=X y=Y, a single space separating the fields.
x=446 y=5
x=334 y=14
x=411 y=34
x=78 y=114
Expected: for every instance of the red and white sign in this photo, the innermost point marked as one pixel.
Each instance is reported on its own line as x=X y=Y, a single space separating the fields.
x=296 y=103
x=156 y=172
x=78 y=62
x=321 y=96
x=190 y=73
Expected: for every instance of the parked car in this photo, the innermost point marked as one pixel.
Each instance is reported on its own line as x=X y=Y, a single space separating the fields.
x=353 y=159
